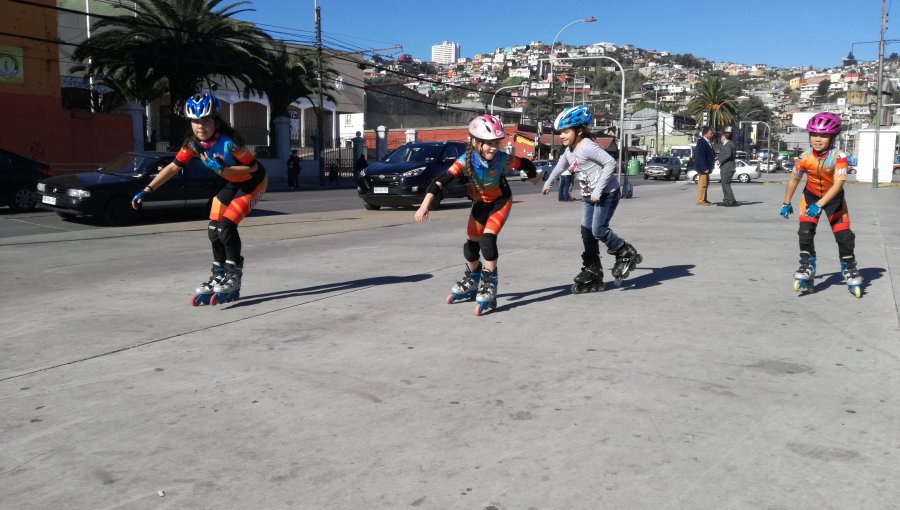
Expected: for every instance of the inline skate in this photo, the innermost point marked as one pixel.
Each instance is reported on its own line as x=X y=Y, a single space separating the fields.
x=229 y=289
x=590 y=279
x=851 y=276
x=626 y=258
x=486 y=299
x=466 y=288
x=204 y=293
x=806 y=273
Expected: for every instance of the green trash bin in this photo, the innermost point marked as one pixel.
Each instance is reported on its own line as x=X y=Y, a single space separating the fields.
x=634 y=167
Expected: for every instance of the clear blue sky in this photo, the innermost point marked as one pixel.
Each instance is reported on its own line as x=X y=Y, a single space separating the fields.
x=781 y=33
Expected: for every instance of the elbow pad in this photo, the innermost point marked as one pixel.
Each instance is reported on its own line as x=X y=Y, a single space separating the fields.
x=438 y=184
x=528 y=166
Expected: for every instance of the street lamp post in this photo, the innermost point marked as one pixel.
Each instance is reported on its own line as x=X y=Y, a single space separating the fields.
x=768 y=140
x=552 y=58
x=621 y=134
x=503 y=88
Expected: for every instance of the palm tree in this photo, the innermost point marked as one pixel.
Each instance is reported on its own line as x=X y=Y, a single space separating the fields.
x=288 y=74
x=715 y=97
x=185 y=42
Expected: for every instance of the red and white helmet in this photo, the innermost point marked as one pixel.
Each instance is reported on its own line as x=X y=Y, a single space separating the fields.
x=487 y=127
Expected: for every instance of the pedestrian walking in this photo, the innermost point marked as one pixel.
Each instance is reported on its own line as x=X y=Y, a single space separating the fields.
x=293 y=170
x=825 y=167
x=565 y=186
x=595 y=171
x=221 y=149
x=485 y=167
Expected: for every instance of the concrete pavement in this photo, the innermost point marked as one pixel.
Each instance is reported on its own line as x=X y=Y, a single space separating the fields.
x=342 y=380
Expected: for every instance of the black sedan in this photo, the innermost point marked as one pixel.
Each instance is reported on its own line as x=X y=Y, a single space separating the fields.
x=107 y=192
x=18 y=179
x=401 y=179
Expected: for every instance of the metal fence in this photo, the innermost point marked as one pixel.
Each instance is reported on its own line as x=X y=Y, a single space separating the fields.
x=339 y=168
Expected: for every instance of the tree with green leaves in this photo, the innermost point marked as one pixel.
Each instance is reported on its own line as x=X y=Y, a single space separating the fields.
x=187 y=43
x=290 y=73
x=716 y=98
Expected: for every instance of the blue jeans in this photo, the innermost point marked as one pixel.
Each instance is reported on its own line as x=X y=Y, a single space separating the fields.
x=595 y=220
x=565 y=183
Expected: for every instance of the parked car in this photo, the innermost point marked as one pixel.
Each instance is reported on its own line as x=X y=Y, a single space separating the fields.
x=763 y=165
x=544 y=168
x=18 y=180
x=743 y=172
x=663 y=166
x=401 y=179
x=107 y=192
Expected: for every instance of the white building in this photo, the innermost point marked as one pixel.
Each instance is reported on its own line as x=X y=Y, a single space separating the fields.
x=445 y=53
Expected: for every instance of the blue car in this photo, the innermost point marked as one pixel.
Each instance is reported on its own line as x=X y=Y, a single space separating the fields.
x=402 y=178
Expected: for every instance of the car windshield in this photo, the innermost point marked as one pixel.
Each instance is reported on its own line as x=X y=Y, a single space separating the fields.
x=415 y=154
x=130 y=165
x=681 y=153
x=662 y=160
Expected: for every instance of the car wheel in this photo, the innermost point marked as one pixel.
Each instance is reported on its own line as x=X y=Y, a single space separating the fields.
x=371 y=207
x=544 y=176
x=646 y=177
x=744 y=178
x=119 y=212
x=22 y=199
x=696 y=179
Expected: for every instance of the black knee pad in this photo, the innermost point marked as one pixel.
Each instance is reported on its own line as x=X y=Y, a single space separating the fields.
x=228 y=234
x=807 y=234
x=213 y=231
x=489 y=246
x=846 y=241
x=472 y=250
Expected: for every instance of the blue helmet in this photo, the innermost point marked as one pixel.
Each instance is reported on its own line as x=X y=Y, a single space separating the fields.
x=573 y=117
x=199 y=106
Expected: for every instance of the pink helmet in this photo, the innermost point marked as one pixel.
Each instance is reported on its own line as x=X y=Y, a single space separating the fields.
x=824 y=124
x=486 y=127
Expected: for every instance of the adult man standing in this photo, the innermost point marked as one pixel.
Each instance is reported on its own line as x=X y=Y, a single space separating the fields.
x=704 y=160
x=726 y=167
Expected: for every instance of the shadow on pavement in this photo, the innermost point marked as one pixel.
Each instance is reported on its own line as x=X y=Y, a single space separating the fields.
x=331 y=288
x=541 y=295
x=869 y=275
x=656 y=276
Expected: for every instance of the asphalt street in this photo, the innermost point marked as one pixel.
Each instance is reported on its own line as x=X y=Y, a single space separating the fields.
x=341 y=379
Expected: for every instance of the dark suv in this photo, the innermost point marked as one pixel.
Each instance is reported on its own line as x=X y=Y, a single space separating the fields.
x=401 y=179
x=666 y=166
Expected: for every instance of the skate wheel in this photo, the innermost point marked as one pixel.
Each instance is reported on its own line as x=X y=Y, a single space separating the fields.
x=797 y=285
x=856 y=290
x=196 y=300
x=478 y=310
x=450 y=299
x=214 y=299
x=638 y=259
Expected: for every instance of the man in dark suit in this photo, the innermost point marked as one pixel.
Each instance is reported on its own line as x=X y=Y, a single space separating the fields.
x=704 y=161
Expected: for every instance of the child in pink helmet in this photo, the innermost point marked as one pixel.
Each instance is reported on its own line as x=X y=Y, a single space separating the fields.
x=825 y=167
x=485 y=167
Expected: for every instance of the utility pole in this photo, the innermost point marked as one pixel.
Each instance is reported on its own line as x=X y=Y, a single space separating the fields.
x=320 y=145
x=878 y=96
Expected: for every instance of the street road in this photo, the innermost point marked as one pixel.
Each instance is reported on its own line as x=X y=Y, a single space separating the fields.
x=273 y=203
